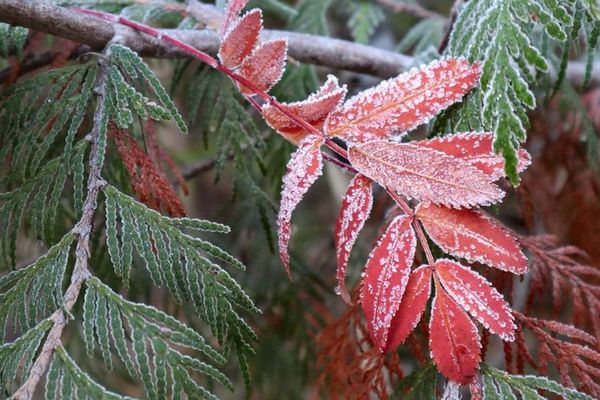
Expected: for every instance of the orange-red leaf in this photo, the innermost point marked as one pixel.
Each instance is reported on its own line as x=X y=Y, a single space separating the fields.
x=477 y=149
x=424 y=174
x=453 y=339
x=386 y=275
x=313 y=110
x=411 y=307
x=402 y=103
x=234 y=7
x=241 y=39
x=303 y=169
x=356 y=207
x=477 y=296
x=472 y=235
x=264 y=66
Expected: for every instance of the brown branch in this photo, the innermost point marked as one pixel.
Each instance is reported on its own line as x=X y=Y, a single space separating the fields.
x=81 y=272
x=313 y=49
x=319 y=50
x=413 y=9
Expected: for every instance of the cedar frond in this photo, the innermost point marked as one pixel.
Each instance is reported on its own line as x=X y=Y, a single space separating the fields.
x=183 y=263
x=558 y=269
x=125 y=98
x=499 y=385
x=145 y=341
x=65 y=380
x=32 y=293
x=570 y=350
x=514 y=51
x=40 y=196
x=351 y=365
x=12 y=38
x=146 y=176
x=16 y=357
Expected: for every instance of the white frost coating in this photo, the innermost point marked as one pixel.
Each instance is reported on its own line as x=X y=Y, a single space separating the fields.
x=451 y=391
x=402 y=103
x=477 y=149
x=387 y=272
x=313 y=110
x=355 y=210
x=478 y=297
x=265 y=66
x=424 y=174
x=241 y=38
x=303 y=169
x=472 y=235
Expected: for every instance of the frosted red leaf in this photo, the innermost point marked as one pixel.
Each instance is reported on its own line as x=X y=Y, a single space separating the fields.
x=234 y=7
x=477 y=296
x=477 y=149
x=453 y=339
x=313 y=110
x=303 y=169
x=411 y=307
x=241 y=39
x=385 y=277
x=264 y=66
x=424 y=174
x=402 y=103
x=356 y=207
x=472 y=235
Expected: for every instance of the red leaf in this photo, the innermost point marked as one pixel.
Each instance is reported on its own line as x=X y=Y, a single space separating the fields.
x=303 y=169
x=453 y=339
x=402 y=103
x=477 y=149
x=234 y=7
x=477 y=296
x=472 y=235
x=386 y=276
x=356 y=207
x=411 y=307
x=265 y=65
x=313 y=110
x=241 y=39
x=424 y=174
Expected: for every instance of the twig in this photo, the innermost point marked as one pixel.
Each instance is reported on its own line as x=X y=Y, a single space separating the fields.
x=312 y=49
x=81 y=272
x=413 y=9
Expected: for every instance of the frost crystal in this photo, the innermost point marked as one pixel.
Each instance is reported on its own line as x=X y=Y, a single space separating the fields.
x=424 y=174
x=241 y=39
x=303 y=169
x=402 y=103
x=313 y=110
x=411 y=307
x=477 y=296
x=387 y=271
x=265 y=66
x=356 y=207
x=453 y=339
x=472 y=235
x=476 y=148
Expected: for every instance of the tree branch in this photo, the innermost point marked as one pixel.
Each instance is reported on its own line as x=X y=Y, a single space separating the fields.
x=81 y=272
x=318 y=50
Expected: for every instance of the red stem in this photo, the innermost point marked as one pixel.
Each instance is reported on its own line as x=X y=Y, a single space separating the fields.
x=207 y=59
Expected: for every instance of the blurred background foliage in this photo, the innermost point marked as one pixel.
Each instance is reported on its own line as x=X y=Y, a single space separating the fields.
x=233 y=164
